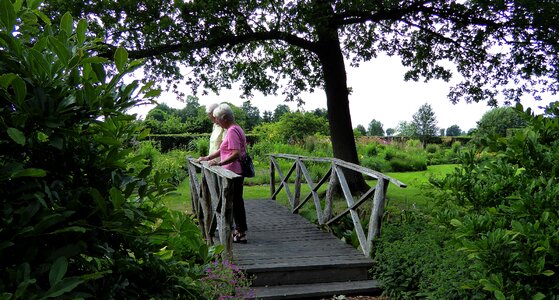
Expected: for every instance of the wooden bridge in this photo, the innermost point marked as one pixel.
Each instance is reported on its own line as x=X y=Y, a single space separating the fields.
x=287 y=256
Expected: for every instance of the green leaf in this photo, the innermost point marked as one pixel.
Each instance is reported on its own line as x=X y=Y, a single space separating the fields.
x=58 y=270
x=548 y=273
x=17 y=5
x=20 y=90
x=16 y=135
x=7 y=15
x=5 y=244
x=42 y=15
x=31 y=172
x=499 y=295
x=99 y=200
x=64 y=286
x=70 y=229
x=538 y=296
x=152 y=93
x=6 y=80
x=61 y=51
x=66 y=23
x=116 y=198
x=33 y=4
x=80 y=31
x=455 y=223
x=121 y=58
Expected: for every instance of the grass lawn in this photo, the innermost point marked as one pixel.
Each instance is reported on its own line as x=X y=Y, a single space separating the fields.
x=398 y=198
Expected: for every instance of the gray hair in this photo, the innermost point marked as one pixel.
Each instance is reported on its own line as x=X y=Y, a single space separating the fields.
x=210 y=109
x=224 y=112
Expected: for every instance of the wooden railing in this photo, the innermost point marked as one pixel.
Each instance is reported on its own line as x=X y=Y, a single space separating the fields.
x=212 y=202
x=335 y=177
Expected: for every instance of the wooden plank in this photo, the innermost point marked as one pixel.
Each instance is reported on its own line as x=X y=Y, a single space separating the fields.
x=354 y=215
x=299 y=291
x=285 y=247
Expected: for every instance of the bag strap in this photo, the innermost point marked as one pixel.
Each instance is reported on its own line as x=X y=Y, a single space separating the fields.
x=243 y=142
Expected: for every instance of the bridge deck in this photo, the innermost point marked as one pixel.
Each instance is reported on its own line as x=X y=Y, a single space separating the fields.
x=285 y=249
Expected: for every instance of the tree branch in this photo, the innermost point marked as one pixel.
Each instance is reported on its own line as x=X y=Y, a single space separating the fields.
x=229 y=40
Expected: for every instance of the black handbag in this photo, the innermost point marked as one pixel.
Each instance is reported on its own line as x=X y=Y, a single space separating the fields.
x=248 y=166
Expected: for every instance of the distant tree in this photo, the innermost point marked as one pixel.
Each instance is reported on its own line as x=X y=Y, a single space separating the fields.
x=453 y=130
x=375 y=128
x=360 y=129
x=292 y=127
x=280 y=111
x=405 y=128
x=441 y=132
x=190 y=110
x=425 y=123
x=498 y=120
x=390 y=131
x=252 y=115
x=320 y=112
x=471 y=131
x=267 y=116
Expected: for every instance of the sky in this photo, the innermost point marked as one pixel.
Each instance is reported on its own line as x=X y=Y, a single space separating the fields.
x=379 y=92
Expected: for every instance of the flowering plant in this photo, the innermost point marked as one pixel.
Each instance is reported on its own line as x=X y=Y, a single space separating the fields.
x=224 y=280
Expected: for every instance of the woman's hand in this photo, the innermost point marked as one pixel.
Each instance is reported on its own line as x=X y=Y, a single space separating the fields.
x=202 y=158
x=213 y=163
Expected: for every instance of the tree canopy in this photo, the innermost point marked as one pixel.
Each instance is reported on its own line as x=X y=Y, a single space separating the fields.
x=375 y=128
x=504 y=46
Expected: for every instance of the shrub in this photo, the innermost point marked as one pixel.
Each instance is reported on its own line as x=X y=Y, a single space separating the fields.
x=508 y=219
x=414 y=259
x=432 y=148
x=376 y=163
x=371 y=149
x=76 y=221
x=408 y=163
x=200 y=145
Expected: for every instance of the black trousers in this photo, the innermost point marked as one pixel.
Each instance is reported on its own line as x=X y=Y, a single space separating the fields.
x=239 y=213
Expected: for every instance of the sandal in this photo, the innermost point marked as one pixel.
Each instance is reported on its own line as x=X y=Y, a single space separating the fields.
x=239 y=237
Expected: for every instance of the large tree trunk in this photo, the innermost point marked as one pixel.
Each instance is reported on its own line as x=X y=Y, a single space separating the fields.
x=337 y=99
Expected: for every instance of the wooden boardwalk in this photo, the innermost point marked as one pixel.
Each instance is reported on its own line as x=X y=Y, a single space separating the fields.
x=288 y=257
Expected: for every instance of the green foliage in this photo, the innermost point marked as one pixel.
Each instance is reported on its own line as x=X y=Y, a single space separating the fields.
x=414 y=259
x=425 y=123
x=497 y=121
x=77 y=221
x=375 y=128
x=507 y=220
x=293 y=127
x=453 y=130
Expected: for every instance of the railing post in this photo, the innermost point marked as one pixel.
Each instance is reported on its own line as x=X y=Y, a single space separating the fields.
x=297 y=188
x=377 y=210
x=272 y=178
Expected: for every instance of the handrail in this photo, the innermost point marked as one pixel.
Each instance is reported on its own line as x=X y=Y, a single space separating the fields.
x=335 y=177
x=212 y=202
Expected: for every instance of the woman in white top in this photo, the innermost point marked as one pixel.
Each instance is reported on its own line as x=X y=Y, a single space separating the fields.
x=218 y=133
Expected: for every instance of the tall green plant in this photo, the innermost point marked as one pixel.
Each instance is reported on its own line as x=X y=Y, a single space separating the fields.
x=507 y=221
x=75 y=221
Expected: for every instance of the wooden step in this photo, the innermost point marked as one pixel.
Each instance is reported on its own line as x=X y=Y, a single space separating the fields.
x=300 y=291
x=305 y=273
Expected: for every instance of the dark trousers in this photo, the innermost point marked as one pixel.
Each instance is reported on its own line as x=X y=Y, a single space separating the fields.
x=239 y=213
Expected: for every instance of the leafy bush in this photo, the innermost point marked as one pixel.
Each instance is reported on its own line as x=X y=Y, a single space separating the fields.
x=414 y=259
x=76 y=221
x=508 y=221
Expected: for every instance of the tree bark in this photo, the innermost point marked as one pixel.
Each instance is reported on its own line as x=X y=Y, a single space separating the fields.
x=337 y=99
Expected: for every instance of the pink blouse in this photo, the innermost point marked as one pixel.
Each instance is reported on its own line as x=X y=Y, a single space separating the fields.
x=235 y=139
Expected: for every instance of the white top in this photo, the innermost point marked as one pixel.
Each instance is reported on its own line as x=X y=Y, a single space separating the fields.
x=217 y=136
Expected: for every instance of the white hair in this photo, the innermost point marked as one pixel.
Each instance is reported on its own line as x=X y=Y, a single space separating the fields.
x=210 y=109
x=224 y=112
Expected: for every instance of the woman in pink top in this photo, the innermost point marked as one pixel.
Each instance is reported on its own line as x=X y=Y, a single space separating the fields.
x=232 y=148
